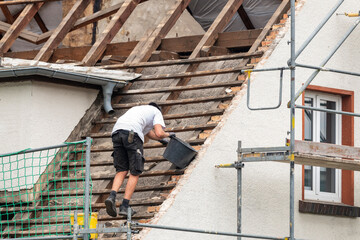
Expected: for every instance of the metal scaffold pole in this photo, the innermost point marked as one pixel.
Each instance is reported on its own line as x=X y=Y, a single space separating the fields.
x=292 y=119
x=87 y=188
x=239 y=167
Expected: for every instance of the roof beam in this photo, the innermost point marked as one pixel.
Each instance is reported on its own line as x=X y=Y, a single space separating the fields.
x=20 y=23
x=245 y=18
x=218 y=25
x=9 y=17
x=192 y=74
x=109 y=33
x=177 y=102
x=181 y=88
x=40 y=22
x=283 y=7
x=87 y=20
x=207 y=40
x=184 y=61
x=2 y=3
x=60 y=32
x=143 y=50
x=24 y=34
x=174 y=129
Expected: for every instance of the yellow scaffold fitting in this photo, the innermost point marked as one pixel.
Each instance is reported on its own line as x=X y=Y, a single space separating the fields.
x=224 y=165
x=248 y=73
x=350 y=14
x=80 y=222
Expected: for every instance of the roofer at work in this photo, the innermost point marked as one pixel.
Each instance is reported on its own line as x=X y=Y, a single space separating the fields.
x=128 y=139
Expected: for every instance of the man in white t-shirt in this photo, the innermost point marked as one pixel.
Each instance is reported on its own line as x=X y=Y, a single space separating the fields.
x=128 y=138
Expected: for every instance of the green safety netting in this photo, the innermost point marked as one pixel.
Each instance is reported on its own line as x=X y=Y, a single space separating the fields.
x=40 y=189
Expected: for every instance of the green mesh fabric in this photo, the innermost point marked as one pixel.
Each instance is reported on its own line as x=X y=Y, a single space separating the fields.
x=40 y=189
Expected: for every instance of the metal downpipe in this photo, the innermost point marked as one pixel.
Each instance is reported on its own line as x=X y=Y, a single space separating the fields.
x=107 y=93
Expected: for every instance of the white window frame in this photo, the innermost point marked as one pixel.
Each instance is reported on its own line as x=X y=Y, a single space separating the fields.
x=315 y=193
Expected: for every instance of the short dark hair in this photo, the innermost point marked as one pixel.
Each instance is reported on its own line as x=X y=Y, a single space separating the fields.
x=155 y=105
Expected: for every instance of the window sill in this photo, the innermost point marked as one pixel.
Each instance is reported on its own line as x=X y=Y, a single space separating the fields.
x=330 y=209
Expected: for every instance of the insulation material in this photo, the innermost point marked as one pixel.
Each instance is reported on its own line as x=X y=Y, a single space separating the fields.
x=50 y=13
x=259 y=12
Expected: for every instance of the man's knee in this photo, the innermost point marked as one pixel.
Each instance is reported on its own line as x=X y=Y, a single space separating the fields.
x=135 y=173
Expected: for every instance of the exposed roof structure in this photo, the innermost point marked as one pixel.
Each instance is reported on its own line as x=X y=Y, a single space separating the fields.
x=193 y=78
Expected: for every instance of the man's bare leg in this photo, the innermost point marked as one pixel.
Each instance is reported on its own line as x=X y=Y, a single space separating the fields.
x=110 y=201
x=129 y=190
x=130 y=186
x=118 y=180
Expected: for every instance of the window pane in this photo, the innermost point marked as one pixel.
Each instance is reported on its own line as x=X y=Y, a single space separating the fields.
x=308 y=178
x=327 y=123
x=327 y=180
x=308 y=133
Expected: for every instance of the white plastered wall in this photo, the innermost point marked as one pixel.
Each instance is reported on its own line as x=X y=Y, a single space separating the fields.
x=206 y=196
x=39 y=114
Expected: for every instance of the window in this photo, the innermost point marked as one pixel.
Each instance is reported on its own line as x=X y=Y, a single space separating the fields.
x=321 y=183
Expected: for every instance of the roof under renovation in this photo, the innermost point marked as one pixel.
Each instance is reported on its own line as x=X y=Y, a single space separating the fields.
x=192 y=76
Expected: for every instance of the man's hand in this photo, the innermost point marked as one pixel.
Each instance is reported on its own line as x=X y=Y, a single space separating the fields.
x=163 y=142
x=172 y=134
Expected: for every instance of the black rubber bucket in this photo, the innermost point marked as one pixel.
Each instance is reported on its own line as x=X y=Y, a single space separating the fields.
x=179 y=152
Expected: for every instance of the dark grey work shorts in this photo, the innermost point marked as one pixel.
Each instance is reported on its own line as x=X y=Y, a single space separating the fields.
x=128 y=156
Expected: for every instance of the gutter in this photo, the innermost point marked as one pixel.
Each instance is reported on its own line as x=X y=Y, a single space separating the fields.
x=107 y=84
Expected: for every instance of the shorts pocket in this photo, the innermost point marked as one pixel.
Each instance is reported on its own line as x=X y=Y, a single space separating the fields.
x=139 y=165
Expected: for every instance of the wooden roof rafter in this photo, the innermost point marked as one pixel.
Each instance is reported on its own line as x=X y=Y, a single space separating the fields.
x=61 y=31
x=207 y=40
x=41 y=38
x=180 y=44
x=109 y=33
x=20 y=23
x=148 y=44
x=16 y=2
x=9 y=17
x=245 y=18
x=104 y=13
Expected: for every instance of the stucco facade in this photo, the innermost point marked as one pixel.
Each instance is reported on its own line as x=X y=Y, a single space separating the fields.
x=206 y=196
x=37 y=114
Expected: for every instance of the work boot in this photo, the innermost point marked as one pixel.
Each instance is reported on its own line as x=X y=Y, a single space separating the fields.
x=111 y=206
x=123 y=211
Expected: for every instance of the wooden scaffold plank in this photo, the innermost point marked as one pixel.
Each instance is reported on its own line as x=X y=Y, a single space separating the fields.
x=109 y=33
x=60 y=32
x=20 y=23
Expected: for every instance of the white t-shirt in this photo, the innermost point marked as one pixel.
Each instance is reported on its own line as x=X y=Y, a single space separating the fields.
x=140 y=119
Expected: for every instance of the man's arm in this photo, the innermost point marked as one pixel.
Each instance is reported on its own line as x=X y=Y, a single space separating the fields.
x=158 y=133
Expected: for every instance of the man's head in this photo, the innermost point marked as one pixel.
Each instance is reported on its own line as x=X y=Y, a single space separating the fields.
x=155 y=105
